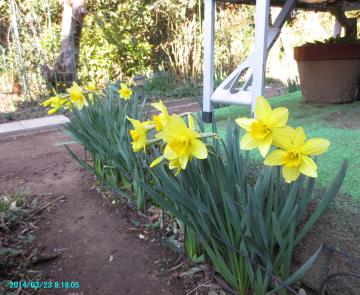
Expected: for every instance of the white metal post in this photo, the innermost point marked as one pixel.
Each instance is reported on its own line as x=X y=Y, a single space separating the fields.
x=337 y=29
x=260 y=50
x=208 y=79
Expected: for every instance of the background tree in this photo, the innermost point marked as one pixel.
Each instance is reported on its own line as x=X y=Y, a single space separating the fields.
x=66 y=65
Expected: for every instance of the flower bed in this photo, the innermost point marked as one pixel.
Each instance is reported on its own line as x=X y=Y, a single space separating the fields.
x=247 y=232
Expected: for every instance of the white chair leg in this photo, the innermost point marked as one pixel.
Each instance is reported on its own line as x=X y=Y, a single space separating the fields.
x=209 y=35
x=261 y=50
x=229 y=90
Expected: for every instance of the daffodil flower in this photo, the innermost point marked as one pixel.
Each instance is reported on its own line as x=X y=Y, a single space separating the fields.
x=55 y=103
x=183 y=143
x=163 y=118
x=48 y=102
x=76 y=96
x=125 y=92
x=138 y=134
x=294 y=155
x=51 y=102
x=265 y=129
x=91 y=86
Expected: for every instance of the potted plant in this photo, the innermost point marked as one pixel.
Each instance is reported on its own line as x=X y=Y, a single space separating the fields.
x=329 y=71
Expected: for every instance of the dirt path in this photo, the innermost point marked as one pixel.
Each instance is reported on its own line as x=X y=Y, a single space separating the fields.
x=85 y=228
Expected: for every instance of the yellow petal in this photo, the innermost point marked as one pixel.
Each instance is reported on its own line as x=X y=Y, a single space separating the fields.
x=308 y=167
x=263 y=109
x=198 y=149
x=157 y=161
x=279 y=117
x=148 y=123
x=158 y=124
x=191 y=122
x=53 y=111
x=315 y=146
x=264 y=145
x=159 y=106
x=175 y=164
x=282 y=137
x=276 y=158
x=136 y=123
x=169 y=153
x=299 y=137
x=47 y=102
x=248 y=142
x=173 y=128
x=245 y=123
x=290 y=173
x=183 y=161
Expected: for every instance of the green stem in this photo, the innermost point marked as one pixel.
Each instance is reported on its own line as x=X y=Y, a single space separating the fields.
x=206 y=135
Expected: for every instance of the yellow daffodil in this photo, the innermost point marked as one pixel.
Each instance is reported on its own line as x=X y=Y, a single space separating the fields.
x=265 y=129
x=76 y=96
x=183 y=143
x=91 y=86
x=138 y=134
x=294 y=155
x=125 y=92
x=163 y=118
x=55 y=103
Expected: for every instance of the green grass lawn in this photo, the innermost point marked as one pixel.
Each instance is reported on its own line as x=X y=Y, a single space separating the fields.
x=338 y=123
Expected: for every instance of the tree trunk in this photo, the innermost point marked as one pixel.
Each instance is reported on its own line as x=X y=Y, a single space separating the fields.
x=65 y=68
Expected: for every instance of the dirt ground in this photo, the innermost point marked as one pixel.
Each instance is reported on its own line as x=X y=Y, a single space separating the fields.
x=97 y=249
x=12 y=108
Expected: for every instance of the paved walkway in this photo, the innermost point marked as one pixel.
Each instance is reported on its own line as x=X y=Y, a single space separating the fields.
x=33 y=125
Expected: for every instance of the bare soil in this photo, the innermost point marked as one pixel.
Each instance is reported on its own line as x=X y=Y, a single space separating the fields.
x=342 y=119
x=97 y=248
x=12 y=108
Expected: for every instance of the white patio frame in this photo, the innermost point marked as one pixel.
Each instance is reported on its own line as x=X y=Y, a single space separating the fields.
x=265 y=37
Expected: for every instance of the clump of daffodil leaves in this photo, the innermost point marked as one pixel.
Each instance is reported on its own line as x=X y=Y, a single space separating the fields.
x=75 y=97
x=290 y=147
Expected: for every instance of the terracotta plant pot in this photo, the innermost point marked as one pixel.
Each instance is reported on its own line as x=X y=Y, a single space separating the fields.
x=329 y=73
